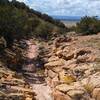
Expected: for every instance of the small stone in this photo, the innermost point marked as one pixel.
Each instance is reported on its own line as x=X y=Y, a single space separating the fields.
x=55 y=81
x=49 y=81
x=46 y=72
x=51 y=74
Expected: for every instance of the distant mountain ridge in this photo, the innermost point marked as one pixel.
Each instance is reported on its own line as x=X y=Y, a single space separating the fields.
x=69 y=18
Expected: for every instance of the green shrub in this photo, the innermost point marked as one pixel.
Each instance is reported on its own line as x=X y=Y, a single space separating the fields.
x=43 y=30
x=88 y=25
x=18 y=21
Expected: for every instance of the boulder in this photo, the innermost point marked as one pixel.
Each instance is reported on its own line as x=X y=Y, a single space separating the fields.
x=96 y=93
x=62 y=39
x=83 y=70
x=69 y=56
x=74 y=86
x=69 y=48
x=70 y=64
x=57 y=69
x=53 y=58
x=64 y=88
x=82 y=59
x=76 y=94
x=60 y=96
x=66 y=54
x=51 y=74
x=82 y=51
x=59 y=62
x=89 y=72
x=85 y=58
x=84 y=67
x=59 y=53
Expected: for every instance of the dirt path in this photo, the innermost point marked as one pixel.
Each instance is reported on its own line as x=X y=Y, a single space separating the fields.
x=38 y=83
x=43 y=91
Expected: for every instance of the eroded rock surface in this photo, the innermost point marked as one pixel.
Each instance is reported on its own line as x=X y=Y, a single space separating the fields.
x=13 y=86
x=71 y=70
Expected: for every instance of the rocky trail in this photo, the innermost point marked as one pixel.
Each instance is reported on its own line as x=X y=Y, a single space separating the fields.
x=31 y=84
x=37 y=78
x=66 y=68
x=43 y=91
x=39 y=86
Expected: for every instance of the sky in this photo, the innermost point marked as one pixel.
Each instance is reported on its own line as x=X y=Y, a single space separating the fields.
x=66 y=7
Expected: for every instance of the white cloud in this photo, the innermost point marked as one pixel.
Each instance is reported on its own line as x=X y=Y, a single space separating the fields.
x=66 y=7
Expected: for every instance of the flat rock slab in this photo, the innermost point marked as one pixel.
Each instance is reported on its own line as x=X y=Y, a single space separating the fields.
x=43 y=92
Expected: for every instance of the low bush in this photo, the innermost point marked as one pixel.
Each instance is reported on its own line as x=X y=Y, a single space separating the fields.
x=18 y=21
x=88 y=26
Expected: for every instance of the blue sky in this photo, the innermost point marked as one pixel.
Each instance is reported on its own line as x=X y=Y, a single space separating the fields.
x=66 y=7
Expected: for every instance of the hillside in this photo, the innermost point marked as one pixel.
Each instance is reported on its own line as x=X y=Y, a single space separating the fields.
x=19 y=21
